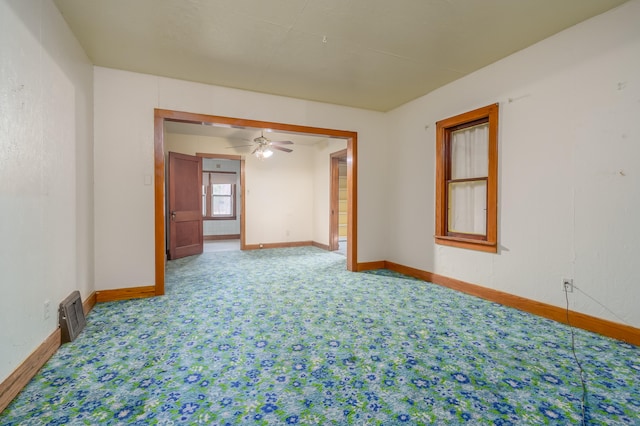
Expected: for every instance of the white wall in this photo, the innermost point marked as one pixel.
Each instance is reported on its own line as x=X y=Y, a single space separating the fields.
x=46 y=168
x=569 y=170
x=124 y=104
x=279 y=197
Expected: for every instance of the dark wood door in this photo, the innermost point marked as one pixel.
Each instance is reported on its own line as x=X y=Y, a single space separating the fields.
x=185 y=205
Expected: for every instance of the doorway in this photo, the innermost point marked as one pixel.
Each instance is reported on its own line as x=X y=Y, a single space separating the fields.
x=160 y=116
x=222 y=177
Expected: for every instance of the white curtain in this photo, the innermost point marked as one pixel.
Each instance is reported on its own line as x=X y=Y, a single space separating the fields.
x=468 y=200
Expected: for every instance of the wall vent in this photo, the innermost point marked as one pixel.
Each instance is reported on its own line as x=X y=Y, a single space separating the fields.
x=71 y=317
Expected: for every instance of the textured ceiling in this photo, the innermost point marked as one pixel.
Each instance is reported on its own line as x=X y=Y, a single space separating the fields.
x=372 y=54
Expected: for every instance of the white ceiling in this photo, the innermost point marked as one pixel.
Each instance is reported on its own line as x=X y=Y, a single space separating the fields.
x=372 y=54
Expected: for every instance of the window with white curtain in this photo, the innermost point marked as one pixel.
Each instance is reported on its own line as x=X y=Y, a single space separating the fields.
x=218 y=195
x=466 y=180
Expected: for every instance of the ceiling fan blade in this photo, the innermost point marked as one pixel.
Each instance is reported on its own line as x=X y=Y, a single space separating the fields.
x=254 y=151
x=282 y=142
x=281 y=148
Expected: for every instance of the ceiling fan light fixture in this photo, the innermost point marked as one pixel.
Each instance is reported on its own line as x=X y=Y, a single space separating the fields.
x=263 y=152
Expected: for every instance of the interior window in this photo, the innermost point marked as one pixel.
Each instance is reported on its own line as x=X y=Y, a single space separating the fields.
x=466 y=180
x=218 y=195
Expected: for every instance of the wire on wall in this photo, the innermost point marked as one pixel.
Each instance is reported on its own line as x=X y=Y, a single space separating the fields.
x=575 y=357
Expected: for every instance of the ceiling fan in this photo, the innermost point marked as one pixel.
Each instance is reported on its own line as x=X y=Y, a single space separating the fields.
x=265 y=146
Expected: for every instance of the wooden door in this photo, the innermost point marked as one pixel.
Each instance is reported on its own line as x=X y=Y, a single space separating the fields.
x=185 y=205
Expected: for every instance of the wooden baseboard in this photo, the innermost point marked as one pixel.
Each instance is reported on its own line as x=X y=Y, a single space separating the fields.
x=17 y=380
x=320 y=245
x=604 y=327
x=125 y=293
x=89 y=303
x=370 y=266
x=277 y=245
x=221 y=237
x=287 y=244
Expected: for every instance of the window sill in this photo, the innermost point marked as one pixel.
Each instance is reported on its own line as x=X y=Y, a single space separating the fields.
x=486 y=246
x=219 y=218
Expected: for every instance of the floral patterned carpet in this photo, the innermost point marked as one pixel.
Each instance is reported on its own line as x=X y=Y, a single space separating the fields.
x=288 y=336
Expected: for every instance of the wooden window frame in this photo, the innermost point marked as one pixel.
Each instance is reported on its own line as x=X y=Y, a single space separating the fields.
x=444 y=128
x=209 y=200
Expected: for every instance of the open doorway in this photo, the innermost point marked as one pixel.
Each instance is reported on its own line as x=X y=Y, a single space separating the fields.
x=221 y=202
x=162 y=116
x=212 y=188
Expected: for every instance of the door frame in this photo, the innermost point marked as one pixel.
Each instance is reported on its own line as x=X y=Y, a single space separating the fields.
x=162 y=115
x=334 y=203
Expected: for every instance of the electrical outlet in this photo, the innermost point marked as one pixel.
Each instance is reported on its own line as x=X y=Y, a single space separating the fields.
x=567 y=285
x=47 y=309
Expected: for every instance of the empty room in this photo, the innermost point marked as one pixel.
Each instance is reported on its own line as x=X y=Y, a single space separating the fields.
x=423 y=212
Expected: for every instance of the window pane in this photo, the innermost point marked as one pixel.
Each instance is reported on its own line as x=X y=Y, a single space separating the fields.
x=470 y=152
x=221 y=189
x=468 y=207
x=221 y=205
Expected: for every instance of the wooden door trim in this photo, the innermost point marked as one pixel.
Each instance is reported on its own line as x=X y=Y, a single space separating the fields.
x=159 y=202
x=162 y=115
x=334 y=204
x=220 y=156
